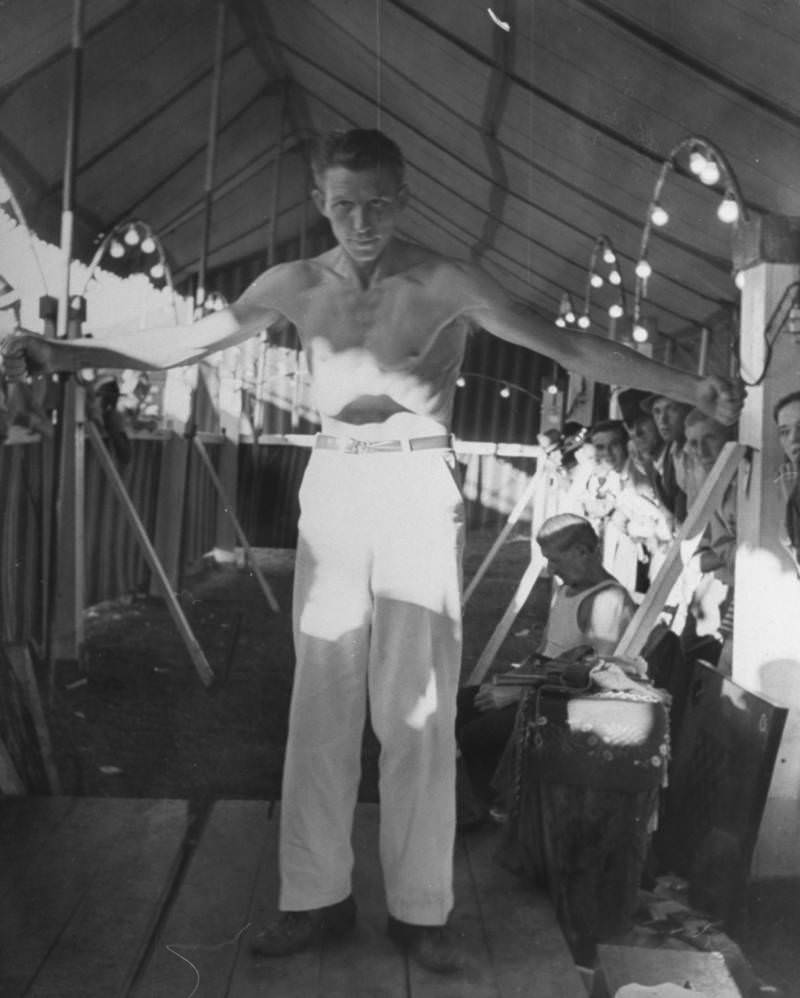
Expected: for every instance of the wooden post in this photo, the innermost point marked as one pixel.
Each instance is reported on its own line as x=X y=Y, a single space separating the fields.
x=766 y=643
x=67 y=620
x=702 y=358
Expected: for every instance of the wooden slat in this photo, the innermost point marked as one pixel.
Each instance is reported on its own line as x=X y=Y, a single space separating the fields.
x=101 y=946
x=73 y=922
x=367 y=964
x=213 y=905
x=26 y=823
x=294 y=976
x=526 y=948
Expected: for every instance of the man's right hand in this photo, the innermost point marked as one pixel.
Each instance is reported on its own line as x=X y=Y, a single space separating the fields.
x=25 y=353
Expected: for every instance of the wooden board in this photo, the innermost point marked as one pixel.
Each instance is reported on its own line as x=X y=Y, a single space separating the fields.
x=205 y=922
x=94 y=906
x=75 y=919
x=525 y=945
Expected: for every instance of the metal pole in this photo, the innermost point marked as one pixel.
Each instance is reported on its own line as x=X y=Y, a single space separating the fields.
x=276 y=182
x=70 y=155
x=211 y=154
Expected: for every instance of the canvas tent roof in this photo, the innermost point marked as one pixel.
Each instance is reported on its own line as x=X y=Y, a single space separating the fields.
x=522 y=145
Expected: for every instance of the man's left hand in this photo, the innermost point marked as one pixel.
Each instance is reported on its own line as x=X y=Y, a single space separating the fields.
x=721 y=398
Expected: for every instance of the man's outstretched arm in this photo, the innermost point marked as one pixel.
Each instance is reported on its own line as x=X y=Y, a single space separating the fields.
x=595 y=357
x=151 y=349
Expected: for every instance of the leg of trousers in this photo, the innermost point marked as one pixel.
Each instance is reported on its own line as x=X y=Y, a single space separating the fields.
x=377 y=612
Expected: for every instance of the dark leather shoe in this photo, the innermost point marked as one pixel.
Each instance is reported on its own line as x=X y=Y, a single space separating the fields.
x=293 y=931
x=431 y=946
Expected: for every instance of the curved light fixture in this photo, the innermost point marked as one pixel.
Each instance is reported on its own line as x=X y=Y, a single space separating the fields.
x=700 y=158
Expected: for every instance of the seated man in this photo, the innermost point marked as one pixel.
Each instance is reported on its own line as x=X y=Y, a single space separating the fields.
x=589 y=613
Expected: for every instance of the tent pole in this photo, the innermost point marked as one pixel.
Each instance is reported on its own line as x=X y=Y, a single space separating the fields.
x=276 y=182
x=211 y=153
x=66 y=613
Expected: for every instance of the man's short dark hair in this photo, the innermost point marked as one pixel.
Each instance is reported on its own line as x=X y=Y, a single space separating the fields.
x=565 y=530
x=356 y=149
x=611 y=426
x=786 y=400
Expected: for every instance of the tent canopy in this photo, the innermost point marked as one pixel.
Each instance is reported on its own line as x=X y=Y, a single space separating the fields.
x=523 y=145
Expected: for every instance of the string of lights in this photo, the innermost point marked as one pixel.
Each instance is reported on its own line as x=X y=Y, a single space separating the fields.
x=785 y=315
x=506 y=387
x=134 y=244
x=697 y=157
x=603 y=269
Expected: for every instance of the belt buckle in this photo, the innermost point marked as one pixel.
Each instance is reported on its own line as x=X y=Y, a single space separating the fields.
x=357 y=446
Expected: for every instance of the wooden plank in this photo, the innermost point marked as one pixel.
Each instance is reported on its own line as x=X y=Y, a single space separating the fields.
x=26 y=823
x=104 y=939
x=500 y=633
x=681 y=550
x=169 y=512
x=41 y=897
x=190 y=642
x=526 y=948
x=367 y=964
x=212 y=907
x=476 y=979
x=295 y=976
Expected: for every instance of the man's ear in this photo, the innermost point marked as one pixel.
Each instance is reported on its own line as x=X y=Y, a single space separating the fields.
x=401 y=198
x=319 y=201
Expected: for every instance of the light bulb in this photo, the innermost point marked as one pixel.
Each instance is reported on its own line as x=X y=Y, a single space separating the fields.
x=640 y=333
x=658 y=215
x=710 y=174
x=596 y=281
x=793 y=322
x=505 y=392
x=615 y=278
x=615 y=311
x=609 y=256
x=157 y=271
x=643 y=269
x=569 y=317
x=584 y=321
x=728 y=210
x=131 y=236
x=552 y=388
x=560 y=322
x=460 y=382
x=697 y=162
x=738 y=279
x=5 y=191
x=148 y=245
x=116 y=249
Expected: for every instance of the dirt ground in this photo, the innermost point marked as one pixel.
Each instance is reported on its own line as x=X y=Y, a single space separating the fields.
x=137 y=721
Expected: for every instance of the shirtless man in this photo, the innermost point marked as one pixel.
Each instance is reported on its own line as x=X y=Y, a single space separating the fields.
x=377 y=602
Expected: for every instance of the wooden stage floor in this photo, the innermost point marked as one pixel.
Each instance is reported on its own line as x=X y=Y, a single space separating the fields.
x=116 y=897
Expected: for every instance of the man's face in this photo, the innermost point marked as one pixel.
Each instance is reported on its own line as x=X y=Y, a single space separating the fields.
x=609 y=450
x=668 y=417
x=646 y=437
x=363 y=207
x=704 y=440
x=789 y=431
x=568 y=563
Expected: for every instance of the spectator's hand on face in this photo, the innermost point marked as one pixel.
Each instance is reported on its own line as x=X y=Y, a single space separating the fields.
x=721 y=398
x=491 y=697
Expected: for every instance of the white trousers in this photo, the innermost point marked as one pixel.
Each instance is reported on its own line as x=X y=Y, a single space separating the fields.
x=377 y=612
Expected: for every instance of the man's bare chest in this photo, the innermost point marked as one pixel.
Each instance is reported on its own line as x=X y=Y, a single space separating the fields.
x=395 y=323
